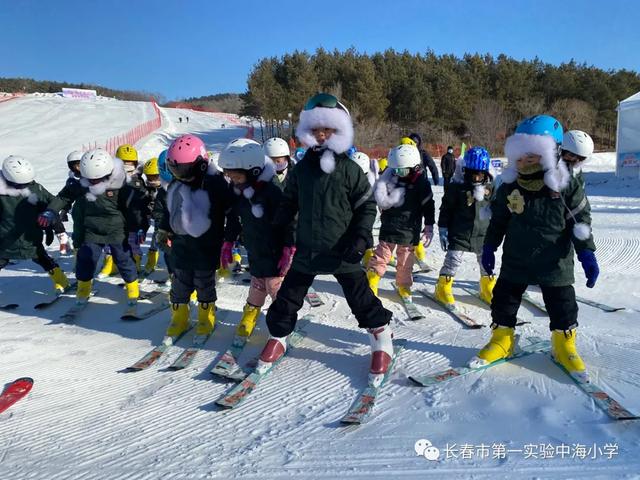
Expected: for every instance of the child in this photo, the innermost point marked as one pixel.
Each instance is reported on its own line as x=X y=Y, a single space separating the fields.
x=464 y=218
x=404 y=195
x=542 y=214
x=21 y=200
x=277 y=150
x=73 y=164
x=101 y=207
x=158 y=213
x=256 y=198
x=152 y=184
x=576 y=147
x=197 y=201
x=332 y=198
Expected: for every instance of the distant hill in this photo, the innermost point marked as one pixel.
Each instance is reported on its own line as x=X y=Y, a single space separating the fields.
x=221 y=102
x=29 y=85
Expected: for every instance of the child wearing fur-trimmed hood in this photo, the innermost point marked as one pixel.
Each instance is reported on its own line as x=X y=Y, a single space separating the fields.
x=542 y=215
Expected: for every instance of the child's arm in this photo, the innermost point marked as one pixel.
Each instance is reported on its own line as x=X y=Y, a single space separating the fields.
x=500 y=216
x=447 y=208
x=578 y=216
x=428 y=205
x=288 y=207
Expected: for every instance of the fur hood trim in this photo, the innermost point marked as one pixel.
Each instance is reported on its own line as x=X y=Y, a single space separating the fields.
x=336 y=118
x=188 y=210
x=114 y=182
x=556 y=174
x=387 y=192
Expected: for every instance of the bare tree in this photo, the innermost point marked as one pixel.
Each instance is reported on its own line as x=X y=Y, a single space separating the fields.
x=488 y=125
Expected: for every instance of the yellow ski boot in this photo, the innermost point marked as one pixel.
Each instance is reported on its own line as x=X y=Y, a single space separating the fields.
x=250 y=315
x=206 y=318
x=367 y=256
x=487 y=282
x=563 y=350
x=500 y=346
x=108 y=267
x=83 y=291
x=373 y=278
x=152 y=261
x=179 y=320
x=444 y=293
x=420 y=252
x=59 y=279
x=222 y=274
x=404 y=292
x=133 y=292
x=194 y=297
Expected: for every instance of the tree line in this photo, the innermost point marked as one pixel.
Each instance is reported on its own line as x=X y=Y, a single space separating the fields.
x=476 y=99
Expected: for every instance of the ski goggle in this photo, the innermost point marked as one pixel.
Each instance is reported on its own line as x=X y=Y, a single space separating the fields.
x=568 y=155
x=324 y=100
x=402 y=172
x=96 y=181
x=187 y=172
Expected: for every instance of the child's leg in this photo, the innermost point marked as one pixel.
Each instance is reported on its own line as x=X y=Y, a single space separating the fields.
x=366 y=307
x=283 y=312
x=257 y=292
x=561 y=306
x=272 y=285
x=507 y=297
x=204 y=282
x=122 y=257
x=59 y=279
x=487 y=282
x=181 y=286
x=404 y=266
x=451 y=264
x=381 y=256
x=87 y=261
x=135 y=249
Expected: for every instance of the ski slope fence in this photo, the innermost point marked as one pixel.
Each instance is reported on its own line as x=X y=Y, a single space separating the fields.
x=132 y=136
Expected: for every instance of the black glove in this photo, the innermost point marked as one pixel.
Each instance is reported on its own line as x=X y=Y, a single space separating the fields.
x=48 y=236
x=355 y=252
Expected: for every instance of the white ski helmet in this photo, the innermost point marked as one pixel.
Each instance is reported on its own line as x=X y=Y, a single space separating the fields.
x=276 y=147
x=74 y=156
x=404 y=156
x=578 y=143
x=363 y=161
x=242 y=154
x=17 y=170
x=96 y=164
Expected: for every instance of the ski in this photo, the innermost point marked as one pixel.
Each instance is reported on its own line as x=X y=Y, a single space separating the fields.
x=423 y=267
x=313 y=298
x=601 y=306
x=133 y=313
x=409 y=306
x=188 y=354
x=526 y=296
x=227 y=366
x=536 y=345
x=240 y=392
x=156 y=352
x=9 y=306
x=453 y=311
x=476 y=294
x=72 y=313
x=68 y=293
x=363 y=405
x=602 y=399
x=14 y=392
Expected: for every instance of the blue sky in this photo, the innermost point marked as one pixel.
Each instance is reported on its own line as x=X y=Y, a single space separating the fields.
x=199 y=47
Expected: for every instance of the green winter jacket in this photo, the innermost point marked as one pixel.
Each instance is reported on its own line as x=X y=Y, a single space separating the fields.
x=401 y=217
x=202 y=251
x=100 y=212
x=333 y=211
x=465 y=218
x=263 y=242
x=20 y=234
x=539 y=242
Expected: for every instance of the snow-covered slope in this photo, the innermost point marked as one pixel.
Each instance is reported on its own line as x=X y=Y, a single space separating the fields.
x=87 y=418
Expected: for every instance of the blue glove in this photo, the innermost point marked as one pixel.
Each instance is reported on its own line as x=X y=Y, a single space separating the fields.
x=488 y=258
x=444 y=238
x=590 y=266
x=46 y=218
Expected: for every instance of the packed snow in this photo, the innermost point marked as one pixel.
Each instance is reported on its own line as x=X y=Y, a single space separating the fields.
x=87 y=418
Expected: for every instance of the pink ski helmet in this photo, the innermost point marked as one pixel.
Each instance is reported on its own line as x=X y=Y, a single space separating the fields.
x=187 y=158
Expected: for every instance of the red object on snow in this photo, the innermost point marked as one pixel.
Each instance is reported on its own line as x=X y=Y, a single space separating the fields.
x=14 y=392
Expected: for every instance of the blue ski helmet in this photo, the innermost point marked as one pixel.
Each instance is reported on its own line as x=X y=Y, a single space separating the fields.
x=477 y=158
x=165 y=174
x=541 y=125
